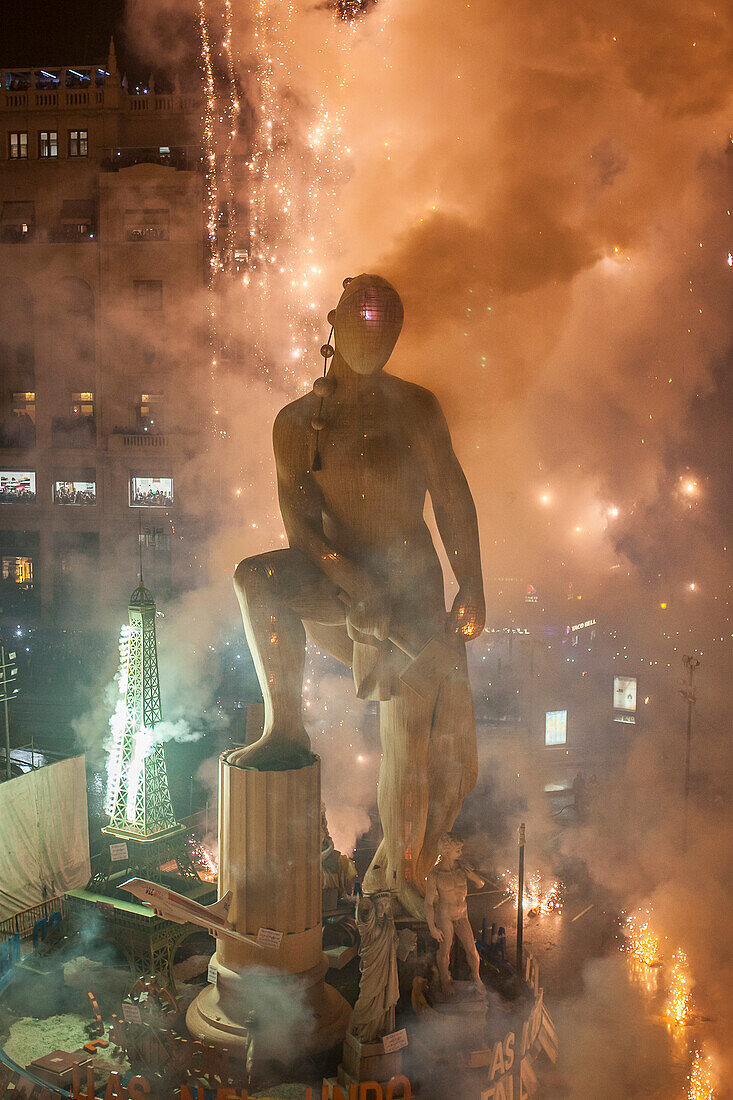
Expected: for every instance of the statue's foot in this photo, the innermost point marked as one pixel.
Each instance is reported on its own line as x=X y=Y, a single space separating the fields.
x=273 y=754
x=379 y=877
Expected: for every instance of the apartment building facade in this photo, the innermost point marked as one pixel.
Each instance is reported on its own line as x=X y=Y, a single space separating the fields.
x=102 y=338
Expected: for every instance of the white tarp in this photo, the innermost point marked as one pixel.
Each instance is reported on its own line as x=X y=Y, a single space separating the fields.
x=44 y=835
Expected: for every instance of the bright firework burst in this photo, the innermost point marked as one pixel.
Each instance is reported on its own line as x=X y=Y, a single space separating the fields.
x=118 y=722
x=538 y=900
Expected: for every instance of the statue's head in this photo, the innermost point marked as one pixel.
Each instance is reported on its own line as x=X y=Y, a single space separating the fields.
x=450 y=845
x=382 y=902
x=367 y=322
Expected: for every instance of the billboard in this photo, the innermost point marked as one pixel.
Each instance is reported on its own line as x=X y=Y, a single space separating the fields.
x=151 y=492
x=624 y=693
x=624 y=699
x=75 y=492
x=556 y=727
x=17 y=486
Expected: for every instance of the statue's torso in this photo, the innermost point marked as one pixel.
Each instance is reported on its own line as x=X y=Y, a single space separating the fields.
x=373 y=479
x=452 y=887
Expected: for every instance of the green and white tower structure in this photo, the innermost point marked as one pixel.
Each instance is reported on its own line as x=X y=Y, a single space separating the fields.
x=138 y=798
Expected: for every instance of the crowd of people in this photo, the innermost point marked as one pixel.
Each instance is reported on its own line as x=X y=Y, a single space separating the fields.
x=152 y=498
x=14 y=492
x=66 y=492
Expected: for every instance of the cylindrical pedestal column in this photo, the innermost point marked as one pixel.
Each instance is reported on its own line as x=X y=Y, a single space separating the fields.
x=269 y=857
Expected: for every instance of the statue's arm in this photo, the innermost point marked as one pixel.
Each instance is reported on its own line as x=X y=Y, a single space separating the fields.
x=301 y=506
x=455 y=515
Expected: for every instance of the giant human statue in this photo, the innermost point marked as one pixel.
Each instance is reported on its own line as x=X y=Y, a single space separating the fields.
x=362 y=579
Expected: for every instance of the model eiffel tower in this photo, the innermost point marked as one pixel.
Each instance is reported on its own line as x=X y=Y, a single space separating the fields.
x=139 y=801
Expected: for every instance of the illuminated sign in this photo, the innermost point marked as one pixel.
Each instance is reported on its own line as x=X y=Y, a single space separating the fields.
x=556 y=727
x=151 y=492
x=17 y=486
x=624 y=692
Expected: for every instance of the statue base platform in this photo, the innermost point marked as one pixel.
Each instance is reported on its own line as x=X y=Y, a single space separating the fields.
x=269 y=857
x=467 y=1006
x=367 y=1062
x=212 y=1018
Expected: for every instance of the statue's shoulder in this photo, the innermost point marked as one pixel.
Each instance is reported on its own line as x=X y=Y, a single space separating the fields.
x=295 y=418
x=418 y=399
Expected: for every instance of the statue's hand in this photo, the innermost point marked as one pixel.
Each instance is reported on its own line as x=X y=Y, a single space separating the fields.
x=369 y=613
x=437 y=934
x=468 y=613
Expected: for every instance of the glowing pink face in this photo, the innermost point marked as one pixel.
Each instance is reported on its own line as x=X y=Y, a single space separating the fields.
x=368 y=322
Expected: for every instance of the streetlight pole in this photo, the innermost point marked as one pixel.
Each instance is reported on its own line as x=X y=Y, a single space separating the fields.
x=7 y=723
x=520 y=902
x=688 y=693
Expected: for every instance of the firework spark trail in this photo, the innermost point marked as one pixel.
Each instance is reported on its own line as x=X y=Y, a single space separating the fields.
x=118 y=722
x=677 y=1008
x=233 y=110
x=702 y=1080
x=295 y=166
x=212 y=191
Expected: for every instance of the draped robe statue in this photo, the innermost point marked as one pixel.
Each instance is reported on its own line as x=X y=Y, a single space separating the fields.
x=379 y=987
x=355 y=461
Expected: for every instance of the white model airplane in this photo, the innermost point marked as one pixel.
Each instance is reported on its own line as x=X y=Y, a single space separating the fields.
x=181 y=910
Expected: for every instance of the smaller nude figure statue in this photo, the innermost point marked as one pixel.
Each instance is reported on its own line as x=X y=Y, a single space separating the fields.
x=379 y=988
x=447 y=911
x=337 y=870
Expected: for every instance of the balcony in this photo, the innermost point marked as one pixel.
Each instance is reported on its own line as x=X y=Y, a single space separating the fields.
x=138 y=439
x=184 y=158
x=74 y=431
x=17 y=432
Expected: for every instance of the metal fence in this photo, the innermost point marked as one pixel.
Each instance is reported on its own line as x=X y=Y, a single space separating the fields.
x=25 y=921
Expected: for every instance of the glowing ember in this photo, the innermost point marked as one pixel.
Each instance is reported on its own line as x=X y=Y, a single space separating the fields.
x=677 y=1009
x=206 y=865
x=641 y=943
x=702 y=1083
x=538 y=901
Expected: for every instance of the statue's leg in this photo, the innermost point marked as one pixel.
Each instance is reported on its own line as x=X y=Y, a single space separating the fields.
x=464 y=932
x=452 y=762
x=443 y=955
x=276 y=592
x=403 y=797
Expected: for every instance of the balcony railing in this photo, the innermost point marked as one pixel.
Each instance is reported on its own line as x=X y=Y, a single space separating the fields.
x=18 y=432
x=184 y=158
x=137 y=439
x=74 y=431
x=17 y=234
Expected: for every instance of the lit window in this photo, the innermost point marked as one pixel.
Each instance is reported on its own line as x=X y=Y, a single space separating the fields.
x=148 y=293
x=75 y=492
x=17 y=486
x=151 y=411
x=78 y=143
x=150 y=224
x=17 y=570
x=24 y=404
x=556 y=727
x=82 y=404
x=48 y=143
x=18 y=145
x=151 y=492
